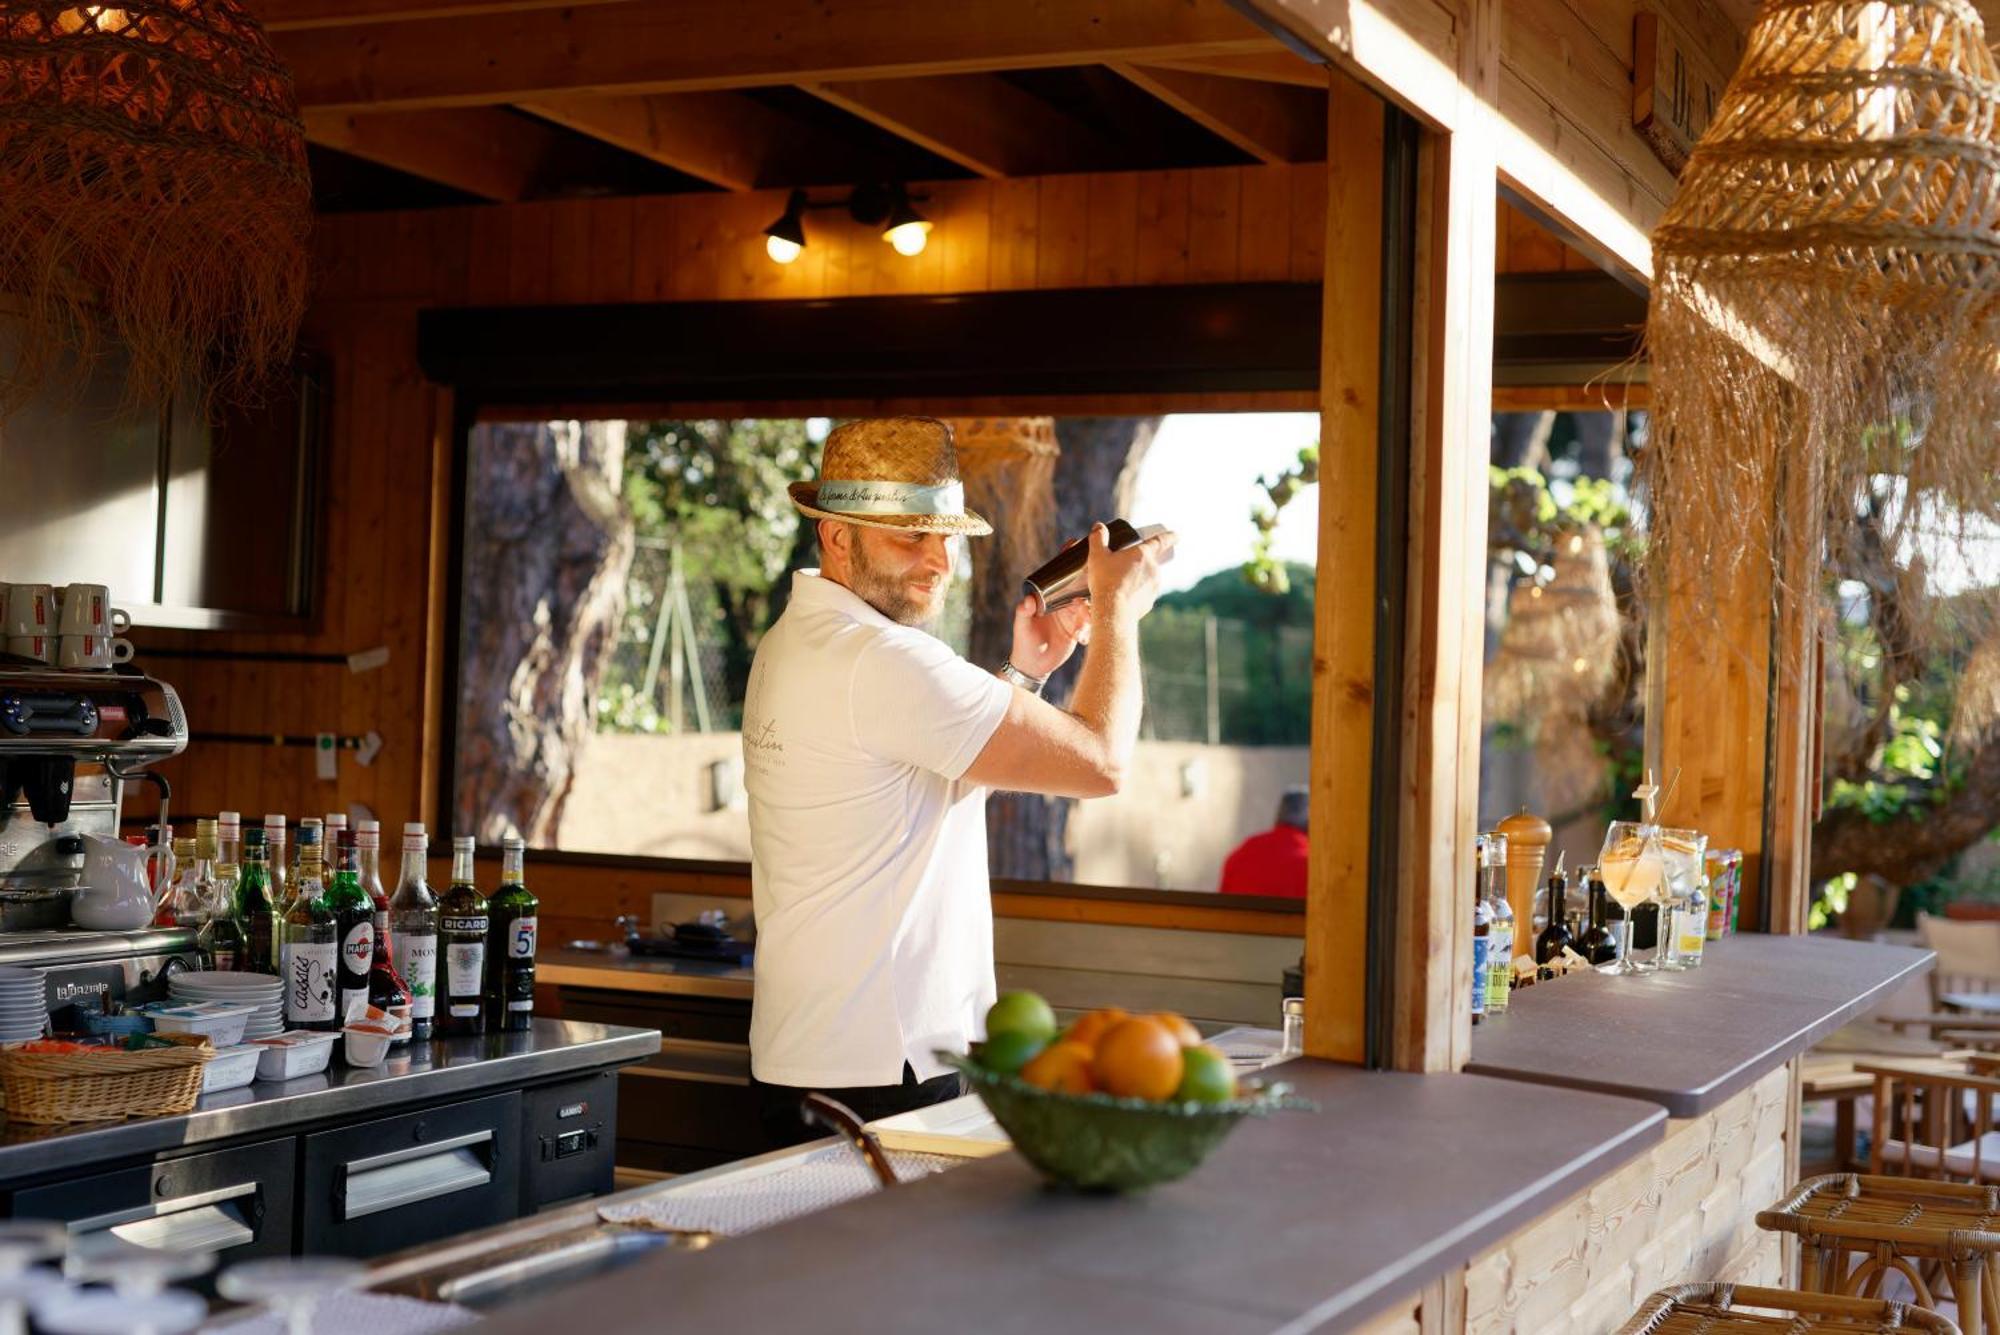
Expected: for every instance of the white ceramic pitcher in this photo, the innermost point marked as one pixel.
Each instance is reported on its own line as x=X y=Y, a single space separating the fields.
x=113 y=895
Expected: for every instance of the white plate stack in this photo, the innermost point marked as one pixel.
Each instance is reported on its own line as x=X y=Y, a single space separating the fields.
x=241 y=989
x=24 y=1007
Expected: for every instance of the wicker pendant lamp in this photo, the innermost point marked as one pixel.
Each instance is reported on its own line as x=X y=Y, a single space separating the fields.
x=1826 y=283
x=153 y=193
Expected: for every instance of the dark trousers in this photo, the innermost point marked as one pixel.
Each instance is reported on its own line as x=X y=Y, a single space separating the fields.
x=778 y=1105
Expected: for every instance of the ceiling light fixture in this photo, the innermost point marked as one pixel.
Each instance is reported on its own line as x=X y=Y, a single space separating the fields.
x=888 y=207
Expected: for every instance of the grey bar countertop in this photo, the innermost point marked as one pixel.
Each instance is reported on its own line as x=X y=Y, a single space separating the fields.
x=1300 y=1221
x=617 y=969
x=1688 y=1041
x=417 y=1073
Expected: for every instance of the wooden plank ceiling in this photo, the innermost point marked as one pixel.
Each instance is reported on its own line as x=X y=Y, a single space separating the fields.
x=418 y=102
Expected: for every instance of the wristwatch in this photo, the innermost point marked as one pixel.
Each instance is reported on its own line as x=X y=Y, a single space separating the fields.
x=1031 y=684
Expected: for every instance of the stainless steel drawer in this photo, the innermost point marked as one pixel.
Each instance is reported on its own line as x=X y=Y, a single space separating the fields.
x=381 y=1186
x=237 y=1202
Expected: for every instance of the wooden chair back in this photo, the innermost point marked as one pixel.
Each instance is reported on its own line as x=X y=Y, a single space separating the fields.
x=1934 y=1118
x=1968 y=955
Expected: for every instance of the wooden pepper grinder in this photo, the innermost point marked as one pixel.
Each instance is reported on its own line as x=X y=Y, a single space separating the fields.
x=1527 y=852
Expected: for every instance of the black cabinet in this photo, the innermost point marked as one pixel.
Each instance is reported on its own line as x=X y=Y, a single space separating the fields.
x=237 y=1202
x=377 y=1187
x=568 y=1135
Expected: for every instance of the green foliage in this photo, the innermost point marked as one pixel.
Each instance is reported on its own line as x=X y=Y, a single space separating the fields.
x=1832 y=901
x=1909 y=771
x=1263 y=570
x=1264 y=659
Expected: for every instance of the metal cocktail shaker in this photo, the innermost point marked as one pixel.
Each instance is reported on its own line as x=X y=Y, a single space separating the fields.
x=1060 y=581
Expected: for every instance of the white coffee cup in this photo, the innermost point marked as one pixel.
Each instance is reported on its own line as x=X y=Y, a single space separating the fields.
x=30 y=610
x=42 y=647
x=87 y=610
x=93 y=651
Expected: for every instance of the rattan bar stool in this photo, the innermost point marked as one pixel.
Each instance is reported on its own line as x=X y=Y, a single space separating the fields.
x=1855 y=1230
x=1733 y=1309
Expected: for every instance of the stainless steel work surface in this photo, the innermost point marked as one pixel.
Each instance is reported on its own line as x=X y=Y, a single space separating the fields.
x=1688 y=1041
x=424 y=1073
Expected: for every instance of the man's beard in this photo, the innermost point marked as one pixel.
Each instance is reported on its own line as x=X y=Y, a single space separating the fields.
x=891 y=596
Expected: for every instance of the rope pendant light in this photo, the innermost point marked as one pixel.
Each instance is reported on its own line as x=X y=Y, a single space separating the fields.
x=153 y=194
x=1825 y=284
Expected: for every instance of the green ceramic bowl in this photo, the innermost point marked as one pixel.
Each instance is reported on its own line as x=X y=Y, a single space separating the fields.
x=1100 y=1142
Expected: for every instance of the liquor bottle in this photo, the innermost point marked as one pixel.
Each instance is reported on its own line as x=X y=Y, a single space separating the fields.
x=228 y=852
x=1692 y=918
x=1555 y=938
x=281 y=867
x=462 y=929
x=1482 y=928
x=320 y=849
x=413 y=925
x=386 y=988
x=1500 y=936
x=311 y=942
x=185 y=904
x=354 y=917
x=510 y=942
x=1597 y=944
x=368 y=847
x=329 y=835
x=221 y=935
x=256 y=912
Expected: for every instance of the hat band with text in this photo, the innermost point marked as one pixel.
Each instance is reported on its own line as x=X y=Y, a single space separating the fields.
x=891 y=498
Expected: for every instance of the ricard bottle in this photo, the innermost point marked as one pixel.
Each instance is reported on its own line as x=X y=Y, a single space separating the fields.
x=510 y=942
x=413 y=927
x=311 y=942
x=462 y=940
x=354 y=922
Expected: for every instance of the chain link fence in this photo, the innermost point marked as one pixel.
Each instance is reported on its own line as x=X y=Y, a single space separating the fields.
x=668 y=671
x=1225 y=682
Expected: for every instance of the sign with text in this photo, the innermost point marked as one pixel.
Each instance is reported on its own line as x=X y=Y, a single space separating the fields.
x=1674 y=90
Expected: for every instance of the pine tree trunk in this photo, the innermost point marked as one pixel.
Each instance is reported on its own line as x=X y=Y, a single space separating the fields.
x=1094 y=478
x=548 y=549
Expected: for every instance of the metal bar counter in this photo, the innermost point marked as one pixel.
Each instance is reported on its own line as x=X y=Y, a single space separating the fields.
x=1689 y=1041
x=419 y=1073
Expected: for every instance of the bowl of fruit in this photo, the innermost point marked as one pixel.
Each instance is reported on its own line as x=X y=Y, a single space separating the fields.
x=1116 y=1101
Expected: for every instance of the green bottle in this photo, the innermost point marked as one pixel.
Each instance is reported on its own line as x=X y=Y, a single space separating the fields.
x=256 y=912
x=510 y=942
x=462 y=925
x=354 y=918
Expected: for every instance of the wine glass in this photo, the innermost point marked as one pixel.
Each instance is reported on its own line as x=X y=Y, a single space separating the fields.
x=1632 y=868
x=290 y=1287
x=1683 y=852
x=139 y=1301
x=23 y=1242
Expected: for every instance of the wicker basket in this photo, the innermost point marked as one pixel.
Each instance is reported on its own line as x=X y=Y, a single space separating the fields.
x=51 y=1087
x=1718 y=1309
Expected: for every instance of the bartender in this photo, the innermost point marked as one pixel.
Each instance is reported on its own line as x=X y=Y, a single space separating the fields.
x=869 y=747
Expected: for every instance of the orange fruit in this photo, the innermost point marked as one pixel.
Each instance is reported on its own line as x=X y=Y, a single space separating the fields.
x=1184 y=1033
x=1089 y=1028
x=1061 y=1066
x=1138 y=1059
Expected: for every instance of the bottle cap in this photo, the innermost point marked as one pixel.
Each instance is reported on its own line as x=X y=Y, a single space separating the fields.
x=343 y=838
x=253 y=838
x=411 y=827
x=463 y=843
x=274 y=822
x=230 y=820
x=336 y=820
x=308 y=832
x=368 y=834
x=513 y=843
x=415 y=841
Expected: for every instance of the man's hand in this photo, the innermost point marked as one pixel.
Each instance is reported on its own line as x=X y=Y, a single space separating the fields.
x=1124 y=583
x=1044 y=643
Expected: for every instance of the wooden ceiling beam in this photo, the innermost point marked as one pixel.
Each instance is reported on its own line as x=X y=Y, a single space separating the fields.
x=1271 y=67
x=661 y=46
x=292 y=15
x=979 y=121
x=726 y=139
x=1271 y=122
x=483 y=151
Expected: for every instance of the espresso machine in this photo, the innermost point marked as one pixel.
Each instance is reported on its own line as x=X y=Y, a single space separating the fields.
x=71 y=744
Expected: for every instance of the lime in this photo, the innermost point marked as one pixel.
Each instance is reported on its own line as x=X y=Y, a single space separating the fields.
x=1206 y=1076
x=1021 y=1013
x=1008 y=1051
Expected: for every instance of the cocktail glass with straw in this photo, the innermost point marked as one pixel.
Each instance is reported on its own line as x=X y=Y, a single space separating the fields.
x=23 y=1242
x=1632 y=868
x=290 y=1287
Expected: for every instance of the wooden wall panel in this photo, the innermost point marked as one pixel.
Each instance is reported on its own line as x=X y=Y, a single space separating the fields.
x=387 y=483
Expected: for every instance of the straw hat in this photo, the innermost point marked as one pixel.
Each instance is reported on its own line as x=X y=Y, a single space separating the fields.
x=891 y=472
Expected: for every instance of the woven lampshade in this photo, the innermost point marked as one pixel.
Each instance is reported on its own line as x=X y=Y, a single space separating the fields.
x=1009 y=468
x=153 y=190
x=1825 y=283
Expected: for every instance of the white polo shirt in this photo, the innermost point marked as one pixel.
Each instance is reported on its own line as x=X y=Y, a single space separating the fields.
x=867 y=853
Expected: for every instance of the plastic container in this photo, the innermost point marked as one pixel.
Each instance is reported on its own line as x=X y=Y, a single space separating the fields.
x=294 y=1053
x=366 y=1045
x=231 y=1068
x=221 y=1023
x=131 y=1022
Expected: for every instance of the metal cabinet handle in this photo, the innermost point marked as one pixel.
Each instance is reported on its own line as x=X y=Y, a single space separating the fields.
x=421 y=1173
x=183 y=1223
